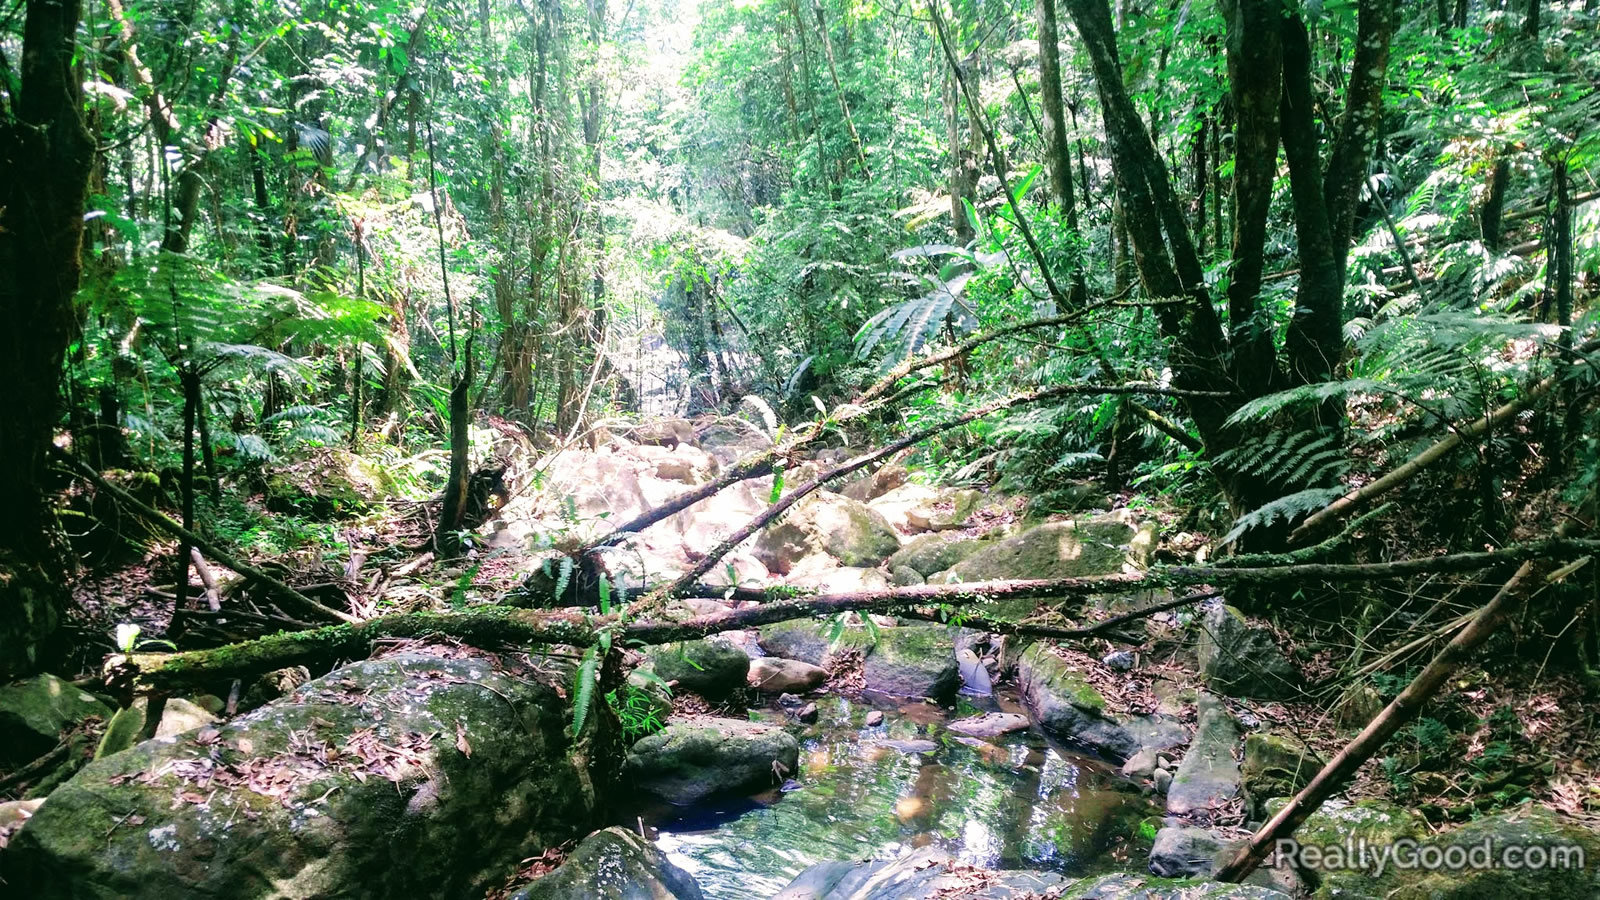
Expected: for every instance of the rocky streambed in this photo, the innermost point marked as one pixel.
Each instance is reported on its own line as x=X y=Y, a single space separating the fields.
x=861 y=758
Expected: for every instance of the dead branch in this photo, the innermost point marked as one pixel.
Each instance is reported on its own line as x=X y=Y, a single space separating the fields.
x=162 y=521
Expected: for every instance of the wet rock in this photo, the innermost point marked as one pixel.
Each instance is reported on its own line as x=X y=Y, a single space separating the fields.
x=827 y=523
x=691 y=760
x=790 y=701
x=410 y=775
x=913 y=661
x=614 y=864
x=36 y=711
x=1181 y=851
x=1208 y=778
x=808 y=713
x=929 y=554
x=990 y=725
x=1276 y=765
x=1068 y=708
x=912 y=745
x=785 y=676
x=1161 y=780
x=1243 y=660
x=873 y=719
x=711 y=668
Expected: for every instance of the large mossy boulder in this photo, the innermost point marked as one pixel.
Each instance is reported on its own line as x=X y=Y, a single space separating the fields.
x=688 y=761
x=1070 y=710
x=411 y=775
x=913 y=661
x=929 y=554
x=802 y=639
x=1071 y=549
x=831 y=524
x=711 y=668
x=614 y=864
x=1276 y=765
x=332 y=482
x=1239 y=659
x=1570 y=851
x=35 y=712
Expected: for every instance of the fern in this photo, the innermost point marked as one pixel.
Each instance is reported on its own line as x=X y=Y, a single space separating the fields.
x=583 y=689
x=1289 y=508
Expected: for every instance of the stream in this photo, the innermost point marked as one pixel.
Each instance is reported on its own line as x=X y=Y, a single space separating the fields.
x=1010 y=802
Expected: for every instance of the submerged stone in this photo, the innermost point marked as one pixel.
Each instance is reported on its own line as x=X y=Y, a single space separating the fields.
x=614 y=864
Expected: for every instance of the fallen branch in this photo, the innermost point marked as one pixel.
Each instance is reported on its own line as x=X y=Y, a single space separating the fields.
x=1403 y=709
x=1403 y=473
x=162 y=521
x=500 y=625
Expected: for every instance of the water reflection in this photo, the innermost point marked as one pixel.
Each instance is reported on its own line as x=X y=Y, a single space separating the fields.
x=1012 y=803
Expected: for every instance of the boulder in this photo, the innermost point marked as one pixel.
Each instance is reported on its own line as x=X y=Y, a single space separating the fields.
x=711 y=668
x=664 y=432
x=614 y=864
x=330 y=482
x=917 y=508
x=1243 y=660
x=595 y=488
x=177 y=716
x=1276 y=765
x=1070 y=549
x=1340 y=823
x=729 y=440
x=1207 y=780
x=913 y=661
x=687 y=465
x=747 y=571
x=990 y=725
x=905 y=576
x=825 y=522
x=785 y=676
x=691 y=760
x=802 y=639
x=411 y=775
x=870 y=487
x=849 y=579
x=1569 y=848
x=36 y=711
x=1181 y=851
x=930 y=554
x=1070 y=710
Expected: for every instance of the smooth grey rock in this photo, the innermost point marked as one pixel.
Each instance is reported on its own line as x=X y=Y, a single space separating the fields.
x=614 y=864
x=1243 y=660
x=777 y=675
x=905 y=576
x=1181 y=851
x=808 y=713
x=990 y=725
x=1118 y=660
x=1140 y=765
x=688 y=761
x=1208 y=778
x=873 y=719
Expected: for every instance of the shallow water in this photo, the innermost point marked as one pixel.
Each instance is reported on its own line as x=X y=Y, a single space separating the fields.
x=1011 y=803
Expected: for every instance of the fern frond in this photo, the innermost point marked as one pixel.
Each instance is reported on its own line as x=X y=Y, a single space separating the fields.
x=1289 y=508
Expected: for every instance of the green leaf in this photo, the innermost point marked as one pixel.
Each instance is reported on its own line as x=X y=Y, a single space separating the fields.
x=583 y=689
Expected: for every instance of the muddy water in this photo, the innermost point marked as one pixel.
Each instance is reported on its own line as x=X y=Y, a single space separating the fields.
x=1013 y=802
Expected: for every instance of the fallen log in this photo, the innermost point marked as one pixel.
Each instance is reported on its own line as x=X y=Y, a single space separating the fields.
x=493 y=626
x=1400 y=711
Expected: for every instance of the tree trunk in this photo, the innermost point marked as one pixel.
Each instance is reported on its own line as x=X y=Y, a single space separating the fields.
x=46 y=154
x=1057 y=151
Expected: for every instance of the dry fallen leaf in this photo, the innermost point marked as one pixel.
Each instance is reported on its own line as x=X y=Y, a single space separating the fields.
x=461 y=740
